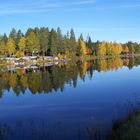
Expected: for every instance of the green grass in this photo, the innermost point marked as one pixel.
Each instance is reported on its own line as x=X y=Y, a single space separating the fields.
x=127 y=129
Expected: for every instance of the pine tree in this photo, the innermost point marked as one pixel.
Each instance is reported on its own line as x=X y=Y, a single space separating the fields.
x=60 y=41
x=53 y=42
x=89 y=42
x=19 y=36
x=44 y=40
x=72 y=42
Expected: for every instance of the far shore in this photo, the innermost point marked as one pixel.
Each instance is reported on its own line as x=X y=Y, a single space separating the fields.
x=53 y=60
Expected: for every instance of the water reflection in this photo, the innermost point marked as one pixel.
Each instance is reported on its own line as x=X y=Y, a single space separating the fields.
x=46 y=79
x=75 y=114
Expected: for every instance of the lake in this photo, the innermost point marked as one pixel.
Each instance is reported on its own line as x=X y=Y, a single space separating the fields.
x=69 y=101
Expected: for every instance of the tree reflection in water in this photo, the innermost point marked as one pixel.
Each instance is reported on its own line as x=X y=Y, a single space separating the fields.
x=54 y=78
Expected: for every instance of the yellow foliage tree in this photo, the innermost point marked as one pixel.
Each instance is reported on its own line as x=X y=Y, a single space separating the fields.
x=84 y=49
x=101 y=49
x=11 y=46
x=20 y=54
x=125 y=49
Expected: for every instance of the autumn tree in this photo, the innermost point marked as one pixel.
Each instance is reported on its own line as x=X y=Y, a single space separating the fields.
x=125 y=49
x=108 y=48
x=11 y=46
x=22 y=44
x=79 y=47
x=84 y=49
x=32 y=42
x=101 y=50
x=52 y=42
x=22 y=47
x=3 y=47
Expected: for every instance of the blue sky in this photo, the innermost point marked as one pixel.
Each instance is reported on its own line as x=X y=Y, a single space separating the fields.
x=110 y=20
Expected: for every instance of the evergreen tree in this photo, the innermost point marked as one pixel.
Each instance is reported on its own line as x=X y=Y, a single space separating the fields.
x=13 y=34
x=44 y=40
x=72 y=42
x=131 y=47
x=19 y=36
x=89 y=42
x=60 y=41
x=5 y=38
x=53 y=42
x=81 y=37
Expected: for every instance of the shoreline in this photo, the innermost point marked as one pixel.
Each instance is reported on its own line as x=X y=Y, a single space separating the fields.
x=126 y=128
x=40 y=61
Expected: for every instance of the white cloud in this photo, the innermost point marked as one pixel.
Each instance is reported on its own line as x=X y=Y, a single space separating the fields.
x=83 y=2
x=24 y=11
x=41 y=6
x=34 y=6
x=121 y=6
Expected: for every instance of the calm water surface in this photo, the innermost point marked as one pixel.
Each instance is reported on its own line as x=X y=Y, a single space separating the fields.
x=67 y=101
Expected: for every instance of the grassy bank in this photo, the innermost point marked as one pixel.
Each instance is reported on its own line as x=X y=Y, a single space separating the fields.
x=127 y=129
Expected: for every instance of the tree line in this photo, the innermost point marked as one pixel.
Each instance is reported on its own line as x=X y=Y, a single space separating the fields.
x=43 y=42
